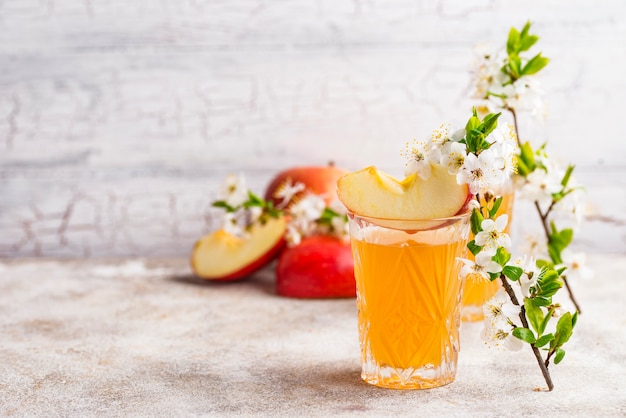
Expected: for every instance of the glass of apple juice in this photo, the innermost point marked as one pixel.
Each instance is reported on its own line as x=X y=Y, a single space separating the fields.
x=408 y=298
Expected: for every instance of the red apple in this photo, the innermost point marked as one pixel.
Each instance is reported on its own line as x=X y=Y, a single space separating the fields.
x=320 y=180
x=321 y=266
x=221 y=256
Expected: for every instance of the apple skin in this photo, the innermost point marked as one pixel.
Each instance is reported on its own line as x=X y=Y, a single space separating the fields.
x=319 y=180
x=321 y=266
x=222 y=257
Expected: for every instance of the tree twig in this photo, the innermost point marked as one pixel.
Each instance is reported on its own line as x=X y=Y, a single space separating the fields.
x=543 y=365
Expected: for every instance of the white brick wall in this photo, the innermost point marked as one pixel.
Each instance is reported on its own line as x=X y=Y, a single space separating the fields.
x=119 y=119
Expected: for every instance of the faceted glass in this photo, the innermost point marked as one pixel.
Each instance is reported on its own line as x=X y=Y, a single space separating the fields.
x=408 y=298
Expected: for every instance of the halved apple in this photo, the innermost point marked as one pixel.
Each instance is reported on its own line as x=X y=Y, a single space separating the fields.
x=222 y=256
x=402 y=204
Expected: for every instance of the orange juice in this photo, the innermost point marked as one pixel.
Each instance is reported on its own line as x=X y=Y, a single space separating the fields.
x=409 y=292
x=477 y=290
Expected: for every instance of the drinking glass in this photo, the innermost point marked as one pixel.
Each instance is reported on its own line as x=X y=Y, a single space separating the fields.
x=408 y=298
x=477 y=290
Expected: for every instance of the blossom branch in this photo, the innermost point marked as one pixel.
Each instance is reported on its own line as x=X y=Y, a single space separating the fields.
x=543 y=365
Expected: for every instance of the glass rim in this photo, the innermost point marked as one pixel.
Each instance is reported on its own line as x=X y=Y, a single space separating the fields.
x=466 y=212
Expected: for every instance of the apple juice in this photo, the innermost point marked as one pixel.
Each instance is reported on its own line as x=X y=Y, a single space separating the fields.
x=408 y=299
x=477 y=290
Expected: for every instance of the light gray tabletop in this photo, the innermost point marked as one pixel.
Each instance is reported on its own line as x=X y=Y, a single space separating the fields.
x=144 y=338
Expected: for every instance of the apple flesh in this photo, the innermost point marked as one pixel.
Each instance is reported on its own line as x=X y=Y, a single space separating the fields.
x=403 y=204
x=319 y=180
x=221 y=256
x=320 y=266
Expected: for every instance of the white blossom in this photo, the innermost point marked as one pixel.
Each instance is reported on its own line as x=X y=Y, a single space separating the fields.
x=540 y=185
x=234 y=190
x=482 y=266
x=491 y=83
x=492 y=235
x=500 y=319
x=500 y=308
x=531 y=273
x=303 y=216
x=310 y=207
x=486 y=72
x=420 y=155
x=480 y=172
x=504 y=146
x=454 y=159
x=286 y=192
x=500 y=335
x=576 y=263
x=339 y=223
x=231 y=224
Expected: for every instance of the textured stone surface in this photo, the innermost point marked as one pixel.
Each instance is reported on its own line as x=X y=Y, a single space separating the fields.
x=119 y=119
x=143 y=338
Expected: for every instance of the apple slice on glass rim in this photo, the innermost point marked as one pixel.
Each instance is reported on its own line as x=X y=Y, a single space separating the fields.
x=411 y=204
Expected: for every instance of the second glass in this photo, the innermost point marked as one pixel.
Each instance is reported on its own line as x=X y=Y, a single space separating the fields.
x=408 y=298
x=478 y=290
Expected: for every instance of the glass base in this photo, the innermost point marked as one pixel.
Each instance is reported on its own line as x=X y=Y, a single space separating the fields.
x=422 y=378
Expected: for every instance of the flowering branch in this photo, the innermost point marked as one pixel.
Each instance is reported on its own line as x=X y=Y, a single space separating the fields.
x=483 y=156
x=306 y=215
x=508 y=82
x=543 y=365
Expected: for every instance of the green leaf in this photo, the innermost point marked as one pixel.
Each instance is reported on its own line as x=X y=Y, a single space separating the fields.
x=543 y=340
x=544 y=264
x=527 y=157
x=534 y=314
x=494 y=209
x=489 y=123
x=524 y=334
x=472 y=123
x=274 y=213
x=502 y=256
x=542 y=301
x=474 y=249
x=527 y=42
x=560 y=353
x=476 y=220
x=548 y=284
x=514 y=67
x=326 y=218
x=564 y=329
x=536 y=64
x=513 y=41
x=567 y=176
x=222 y=204
x=512 y=272
x=546 y=320
x=522 y=168
x=558 y=241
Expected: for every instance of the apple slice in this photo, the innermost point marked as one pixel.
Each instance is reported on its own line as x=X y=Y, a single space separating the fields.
x=398 y=204
x=320 y=266
x=222 y=256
